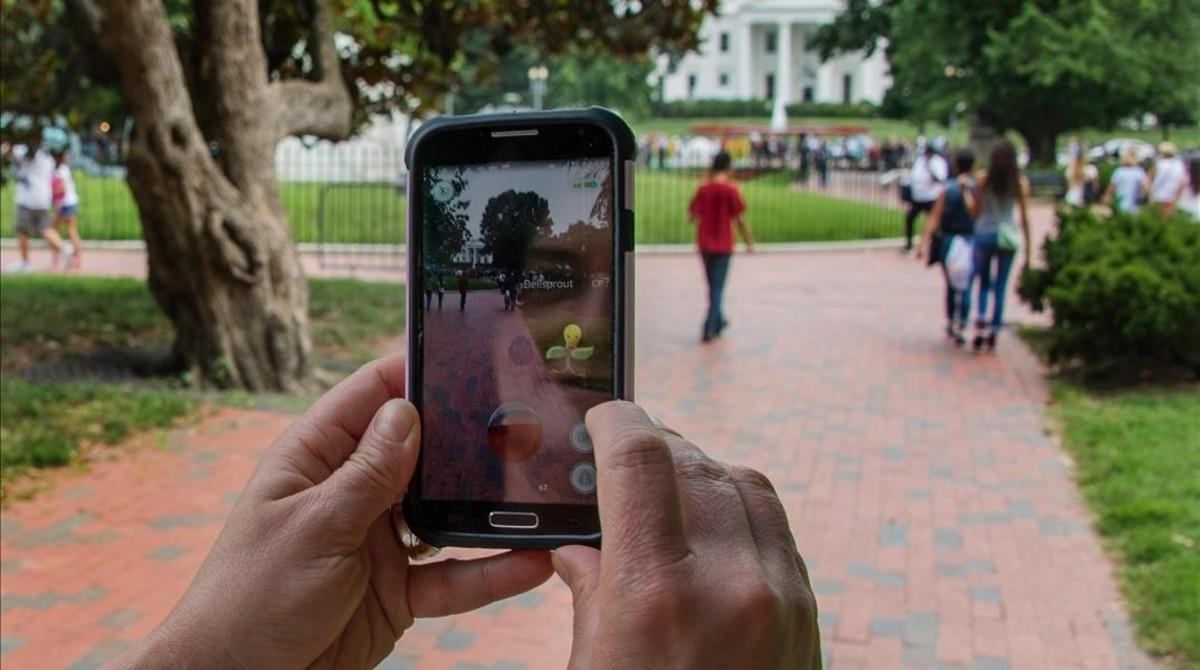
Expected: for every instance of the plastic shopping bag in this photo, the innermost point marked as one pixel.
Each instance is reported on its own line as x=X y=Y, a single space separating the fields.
x=960 y=262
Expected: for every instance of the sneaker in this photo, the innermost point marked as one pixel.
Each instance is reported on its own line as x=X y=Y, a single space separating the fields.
x=68 y=256
x=19 y=268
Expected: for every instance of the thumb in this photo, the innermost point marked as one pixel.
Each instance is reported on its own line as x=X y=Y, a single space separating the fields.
x=377 y=473
x=579 y=568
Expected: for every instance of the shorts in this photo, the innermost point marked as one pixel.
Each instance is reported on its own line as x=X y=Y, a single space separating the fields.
x=32 y=222
x=67 y=211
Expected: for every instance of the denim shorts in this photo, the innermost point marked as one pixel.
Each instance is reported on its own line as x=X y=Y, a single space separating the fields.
x=65 y=211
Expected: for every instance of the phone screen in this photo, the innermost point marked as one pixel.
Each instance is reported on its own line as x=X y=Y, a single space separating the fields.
x=517 y=334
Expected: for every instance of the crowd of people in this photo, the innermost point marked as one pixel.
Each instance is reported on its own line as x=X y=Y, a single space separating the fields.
x=1169 y=183
x=973 y=217
x=809 y=153
x=47 y=205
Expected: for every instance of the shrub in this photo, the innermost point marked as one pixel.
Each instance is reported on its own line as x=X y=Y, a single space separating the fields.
x=1124 y=291
x=851 y=110
x=713 y=108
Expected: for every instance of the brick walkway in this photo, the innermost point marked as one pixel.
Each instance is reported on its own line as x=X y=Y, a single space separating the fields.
x=937 y=516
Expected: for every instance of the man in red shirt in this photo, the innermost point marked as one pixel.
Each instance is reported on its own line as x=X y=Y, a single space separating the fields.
x=716 y=208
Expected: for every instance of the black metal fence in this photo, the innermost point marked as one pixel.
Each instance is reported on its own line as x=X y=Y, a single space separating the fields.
x=348 y=201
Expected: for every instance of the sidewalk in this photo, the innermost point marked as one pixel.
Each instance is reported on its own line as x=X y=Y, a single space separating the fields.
x=937 y=516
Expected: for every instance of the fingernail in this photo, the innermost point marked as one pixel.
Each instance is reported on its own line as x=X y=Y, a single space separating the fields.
x=395 y=420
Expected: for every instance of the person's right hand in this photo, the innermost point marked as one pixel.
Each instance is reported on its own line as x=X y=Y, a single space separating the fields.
x=699 y=568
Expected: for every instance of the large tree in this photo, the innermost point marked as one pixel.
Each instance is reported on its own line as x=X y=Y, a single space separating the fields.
x=1038 y=67
x=510 y=224
x=213 y=85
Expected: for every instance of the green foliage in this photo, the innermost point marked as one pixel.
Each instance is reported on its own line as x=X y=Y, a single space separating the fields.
x=445 y=218
x=837 y=110
x=713 y=108
x=1139 y=469
x=1125 y=292
x=1039 y=68
x=43 y=425
x=710 y=108
x=510 y=223
x=577 y=78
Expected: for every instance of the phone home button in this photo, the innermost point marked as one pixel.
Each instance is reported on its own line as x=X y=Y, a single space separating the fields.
x=524 y=520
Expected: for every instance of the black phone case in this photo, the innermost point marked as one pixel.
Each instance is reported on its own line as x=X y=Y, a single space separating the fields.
x=623 y=169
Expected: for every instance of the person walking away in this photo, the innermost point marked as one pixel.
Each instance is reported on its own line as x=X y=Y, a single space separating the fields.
x=1000 y=191
x=34 y=197
x=1168 y=178
x=1189 y=200
x=66 y=209
x=1127 y=184
x=926 y=177
x=805 y=153
x=716 y=208
x=441 y=291
x=462 y=290
x=951 y=217
x=1083 y=179
x=429 y=287
x=821 y=159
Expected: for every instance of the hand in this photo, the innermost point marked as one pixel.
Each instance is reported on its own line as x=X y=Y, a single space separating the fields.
x=308 y=570
x=699 y=568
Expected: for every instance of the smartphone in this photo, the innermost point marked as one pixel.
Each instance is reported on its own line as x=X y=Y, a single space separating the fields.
x=520 y=297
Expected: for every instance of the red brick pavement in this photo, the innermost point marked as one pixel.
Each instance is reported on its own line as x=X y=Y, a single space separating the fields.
x=937 y=515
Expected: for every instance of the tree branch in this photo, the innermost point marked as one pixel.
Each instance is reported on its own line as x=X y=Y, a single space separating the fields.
x=322 y=107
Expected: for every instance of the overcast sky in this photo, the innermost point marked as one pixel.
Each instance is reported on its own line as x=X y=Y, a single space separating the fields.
x=553 y=180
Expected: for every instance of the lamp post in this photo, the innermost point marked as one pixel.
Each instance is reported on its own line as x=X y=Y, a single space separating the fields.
x=538 y=74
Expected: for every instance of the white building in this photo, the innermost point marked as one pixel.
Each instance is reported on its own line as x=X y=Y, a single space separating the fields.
x=759 y=49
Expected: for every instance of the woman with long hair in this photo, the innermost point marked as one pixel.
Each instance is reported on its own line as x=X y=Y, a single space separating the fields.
x=1081 y=175
x=1001 y=191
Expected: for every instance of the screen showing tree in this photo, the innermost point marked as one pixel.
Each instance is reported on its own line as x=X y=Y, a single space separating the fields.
x=517 y=334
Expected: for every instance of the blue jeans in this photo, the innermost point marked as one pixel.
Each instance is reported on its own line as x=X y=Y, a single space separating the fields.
x=958 y=303
x=716 y=269
x=987 y=250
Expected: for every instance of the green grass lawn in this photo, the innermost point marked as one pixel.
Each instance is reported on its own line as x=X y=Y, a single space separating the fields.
x=884 y=128
x=775 y=212
x=374 y=213
x=44 y=424
x=1137 y=458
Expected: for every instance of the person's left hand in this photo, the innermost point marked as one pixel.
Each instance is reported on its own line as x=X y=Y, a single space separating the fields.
x=308 y=570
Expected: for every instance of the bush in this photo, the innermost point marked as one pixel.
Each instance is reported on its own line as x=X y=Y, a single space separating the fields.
x=713 y=108
x=762 y=108
x=1125 y=292
x=852 y=110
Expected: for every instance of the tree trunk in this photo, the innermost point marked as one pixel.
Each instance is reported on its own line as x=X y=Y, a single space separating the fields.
x=222 y=263
x=1043 y=145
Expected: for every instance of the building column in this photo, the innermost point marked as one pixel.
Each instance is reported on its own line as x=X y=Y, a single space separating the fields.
x=825 y=83
x=745 y=57
x=783 y=75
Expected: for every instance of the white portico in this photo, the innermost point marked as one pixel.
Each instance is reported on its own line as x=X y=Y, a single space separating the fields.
x=759 y=49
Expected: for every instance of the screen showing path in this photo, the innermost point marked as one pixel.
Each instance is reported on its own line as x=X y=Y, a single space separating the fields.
x=517 y=334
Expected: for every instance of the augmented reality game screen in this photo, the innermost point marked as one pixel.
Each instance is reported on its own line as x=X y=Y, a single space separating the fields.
x=517 y=334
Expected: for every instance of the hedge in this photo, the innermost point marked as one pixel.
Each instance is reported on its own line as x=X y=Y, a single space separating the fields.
x=1124 y=291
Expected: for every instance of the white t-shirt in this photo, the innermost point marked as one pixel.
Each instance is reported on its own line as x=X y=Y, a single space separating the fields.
x=1127 y=185
x=1169 y=176
x=1189 y=202
x=1075 y=191
x=928 y=177
x=70 y=195
x=33 y=181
